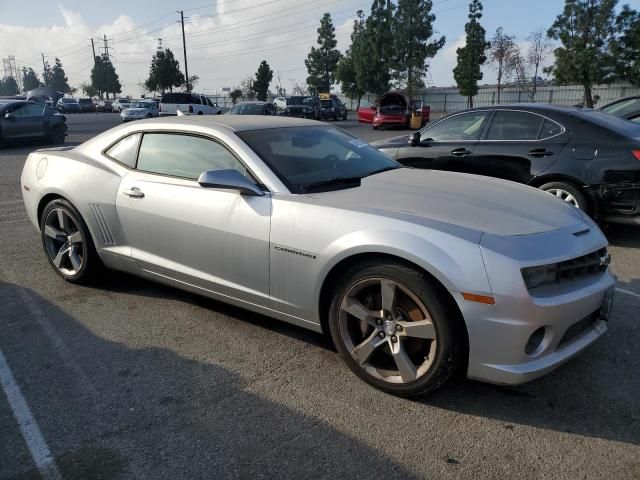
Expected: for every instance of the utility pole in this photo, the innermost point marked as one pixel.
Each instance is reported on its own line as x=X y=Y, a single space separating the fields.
x=93 y=49
x=184 y=47
x=44 y=71
x=106 y=47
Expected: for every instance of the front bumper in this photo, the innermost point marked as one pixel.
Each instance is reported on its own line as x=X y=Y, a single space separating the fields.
x=569 y=314
x=386 y=120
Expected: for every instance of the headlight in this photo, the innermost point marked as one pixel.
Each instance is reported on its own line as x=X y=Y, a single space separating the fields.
x=536 y=276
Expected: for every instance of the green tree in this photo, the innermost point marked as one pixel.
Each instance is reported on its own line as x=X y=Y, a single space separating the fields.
x=236 y=94
x=164 y=72
x=9 y=86
x=503 y=56
x=29 y=79
x=57 y=79
x=626 y=46
x=377 y=49
x=89 y=90
x=321 y=62
x=472 y=56
x=412 y=46
x=347 y=70
x=584 y=28
x=264 y=75
x=104 y=78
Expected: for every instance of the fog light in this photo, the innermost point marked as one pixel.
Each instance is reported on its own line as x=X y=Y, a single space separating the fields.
x=534 y=342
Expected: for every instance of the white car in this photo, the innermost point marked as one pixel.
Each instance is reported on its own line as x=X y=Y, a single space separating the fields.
x=139 y=110
x=280 y=103
x=120 y=104
x=188 y=103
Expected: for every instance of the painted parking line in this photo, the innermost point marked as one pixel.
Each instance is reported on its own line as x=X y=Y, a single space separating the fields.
x=628 y=292
x=31 y=433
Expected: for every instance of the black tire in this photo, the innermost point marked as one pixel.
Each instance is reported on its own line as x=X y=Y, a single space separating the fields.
x=91 y=263
x=448 y=347
x=335 y=117
x=57 y=134
x=580 y=199
x=200 y=113
x=149 y=115
x=344 y=116
x=375 y=127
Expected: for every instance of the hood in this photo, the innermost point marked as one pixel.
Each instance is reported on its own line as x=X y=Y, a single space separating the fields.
x=471 y=202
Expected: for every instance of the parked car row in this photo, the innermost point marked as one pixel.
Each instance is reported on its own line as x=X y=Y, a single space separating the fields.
x=304 y=106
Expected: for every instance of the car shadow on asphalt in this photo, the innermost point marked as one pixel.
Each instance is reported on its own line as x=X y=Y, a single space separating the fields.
x=623 y=235
x=595 y=394
x=154 y=414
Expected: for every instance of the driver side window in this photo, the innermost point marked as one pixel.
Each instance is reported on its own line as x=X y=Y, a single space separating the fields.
x=466 y=126
x=184 y=156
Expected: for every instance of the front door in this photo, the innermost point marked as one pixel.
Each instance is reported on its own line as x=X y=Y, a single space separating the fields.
x=216 y=240
x=446 y=145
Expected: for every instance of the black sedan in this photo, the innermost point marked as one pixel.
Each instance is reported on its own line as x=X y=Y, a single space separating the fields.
x=21 y=120
x=585 y=157
x=333 y=108
x=252 y=108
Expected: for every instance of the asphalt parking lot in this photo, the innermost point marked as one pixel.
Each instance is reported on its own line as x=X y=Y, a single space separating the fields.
x=129 y=379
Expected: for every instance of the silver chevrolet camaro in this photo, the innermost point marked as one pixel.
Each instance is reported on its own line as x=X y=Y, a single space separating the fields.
x=414 y=273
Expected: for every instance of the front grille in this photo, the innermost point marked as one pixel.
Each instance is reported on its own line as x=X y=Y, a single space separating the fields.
x=590 y=265
x=579 y=327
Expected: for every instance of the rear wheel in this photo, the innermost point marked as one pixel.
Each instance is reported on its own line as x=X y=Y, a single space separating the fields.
x=392 y=329
x=67 y=243
x=568 y=193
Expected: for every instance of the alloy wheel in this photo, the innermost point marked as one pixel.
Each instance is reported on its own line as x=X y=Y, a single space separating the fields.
x=64 y=242
x=564 y=195
x=387 y=330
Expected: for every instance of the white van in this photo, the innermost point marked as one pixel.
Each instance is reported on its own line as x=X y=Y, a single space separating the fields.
x=188 y=103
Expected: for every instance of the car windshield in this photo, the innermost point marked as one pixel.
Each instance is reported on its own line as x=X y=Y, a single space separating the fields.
x=69 y=100
x=299 y=100
x=85 y=100
x=326 y=103
x=248 y=109
x=623 y=107
x=316 y=156
x=141 y=105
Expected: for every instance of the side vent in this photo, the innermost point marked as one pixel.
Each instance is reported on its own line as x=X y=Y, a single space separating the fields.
x=581 y=232
x=103 y=226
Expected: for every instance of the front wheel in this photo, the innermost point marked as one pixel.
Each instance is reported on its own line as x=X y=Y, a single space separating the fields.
x=67 y=243
x=393 y=329
x=568 y=193
x=57 y=134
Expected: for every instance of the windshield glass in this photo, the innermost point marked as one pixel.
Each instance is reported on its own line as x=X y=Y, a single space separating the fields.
x=326 y=103
x=303 y=156
x=248 y=109
x=69 y=100
x=300 y=101
x=623 y=107
x=141 y=105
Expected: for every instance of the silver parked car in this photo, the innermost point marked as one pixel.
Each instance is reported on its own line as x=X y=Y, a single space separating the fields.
x=139 y=110
x=414 y=273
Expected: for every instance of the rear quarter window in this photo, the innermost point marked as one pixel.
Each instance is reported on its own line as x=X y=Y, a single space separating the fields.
x=125 y=150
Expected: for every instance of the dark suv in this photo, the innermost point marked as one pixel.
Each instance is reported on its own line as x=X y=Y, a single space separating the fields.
x=587 y=158
x=303 y=106
x=333 y=108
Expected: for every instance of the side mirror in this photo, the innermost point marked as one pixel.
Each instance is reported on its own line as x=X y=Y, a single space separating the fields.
x=229 y=180
x=414 y=139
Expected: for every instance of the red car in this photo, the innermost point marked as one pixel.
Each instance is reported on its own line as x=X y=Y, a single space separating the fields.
x=394 y=109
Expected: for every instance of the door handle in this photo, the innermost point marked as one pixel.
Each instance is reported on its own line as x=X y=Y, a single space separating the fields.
x=133 y=192
x=460 y=152
x=540 y=152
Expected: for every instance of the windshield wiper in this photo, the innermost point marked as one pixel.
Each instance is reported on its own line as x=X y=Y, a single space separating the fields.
x=332 y=182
